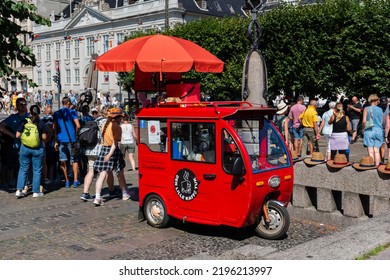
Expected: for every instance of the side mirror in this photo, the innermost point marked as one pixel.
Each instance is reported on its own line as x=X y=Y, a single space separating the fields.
x=238 y=167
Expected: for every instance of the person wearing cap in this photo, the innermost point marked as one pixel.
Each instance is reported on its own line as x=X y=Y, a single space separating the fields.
x=353 y=112
x=373 y=136
x=29 y=156
x=295 y=111
x=10 y=155
x=111 y=158
x=311 y=133
x=326 y=128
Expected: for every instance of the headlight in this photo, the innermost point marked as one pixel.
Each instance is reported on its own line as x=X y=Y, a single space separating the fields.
x=274 y=181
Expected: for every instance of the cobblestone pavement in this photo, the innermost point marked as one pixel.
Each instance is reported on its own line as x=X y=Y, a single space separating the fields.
x=60 y=226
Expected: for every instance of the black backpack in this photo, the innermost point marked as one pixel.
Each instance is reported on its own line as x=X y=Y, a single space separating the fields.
x=88 y=135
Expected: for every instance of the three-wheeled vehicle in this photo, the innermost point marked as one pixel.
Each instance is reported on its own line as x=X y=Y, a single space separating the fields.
x=215 y=163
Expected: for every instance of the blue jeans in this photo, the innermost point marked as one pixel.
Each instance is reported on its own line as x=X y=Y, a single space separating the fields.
x=28 y=157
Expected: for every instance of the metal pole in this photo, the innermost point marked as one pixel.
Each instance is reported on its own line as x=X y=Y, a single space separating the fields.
x=166 y=15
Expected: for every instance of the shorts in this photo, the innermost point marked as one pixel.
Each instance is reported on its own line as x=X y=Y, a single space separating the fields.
x=127 y=147
x=67 y=153
x=354 y=124
x=298 y=132
x=116 y=163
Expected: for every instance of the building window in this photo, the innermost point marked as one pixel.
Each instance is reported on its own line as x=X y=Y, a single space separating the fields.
x=77 y=76
x=67 y=49
x=48 y=77
x=156 y=141
x=105 y=43
x=120 y=38
x=58 y=50
x=68 y=77
x=39 y=77
x=76 y=49
x=48 y=53
x=39 y=53
x=90 y=46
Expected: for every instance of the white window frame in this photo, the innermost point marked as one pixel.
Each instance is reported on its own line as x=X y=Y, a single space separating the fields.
x=90 y=46
x=48 y=77
x=48 y=52
x=67 y=49
x=77 y=76
x=76 y=48
x=39 y=77
x=39 y=53
x=58 y=50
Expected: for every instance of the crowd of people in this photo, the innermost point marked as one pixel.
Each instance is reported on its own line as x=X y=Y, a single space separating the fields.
x=340 y=123
x=56 y=156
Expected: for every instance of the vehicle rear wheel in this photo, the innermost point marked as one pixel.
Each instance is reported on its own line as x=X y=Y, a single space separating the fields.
x=278 y=225
x=156 y=212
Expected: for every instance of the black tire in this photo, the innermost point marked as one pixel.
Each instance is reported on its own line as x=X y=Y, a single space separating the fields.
x=155 y=212
x=279 y=224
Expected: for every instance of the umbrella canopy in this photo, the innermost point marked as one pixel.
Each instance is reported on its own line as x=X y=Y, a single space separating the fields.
x=159 y=53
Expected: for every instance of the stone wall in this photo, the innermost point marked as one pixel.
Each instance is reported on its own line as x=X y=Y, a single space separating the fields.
x=348 y=191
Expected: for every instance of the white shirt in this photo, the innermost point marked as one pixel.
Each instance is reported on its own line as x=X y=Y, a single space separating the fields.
x=127 y=133
x=327 y=129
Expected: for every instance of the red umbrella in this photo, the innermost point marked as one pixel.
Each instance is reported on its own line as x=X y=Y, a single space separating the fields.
x=159 y=53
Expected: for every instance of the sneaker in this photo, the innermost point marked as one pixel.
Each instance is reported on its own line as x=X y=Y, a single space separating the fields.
x=25 y=190
x=85 y=196
x=98 y=201
x=20 y=194
x=47 y=181
x=126 y=196
x=67 y=184
x=76 y=184
x=38 y=194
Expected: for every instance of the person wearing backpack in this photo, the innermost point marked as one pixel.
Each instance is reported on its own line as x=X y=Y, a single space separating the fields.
x=32 y=133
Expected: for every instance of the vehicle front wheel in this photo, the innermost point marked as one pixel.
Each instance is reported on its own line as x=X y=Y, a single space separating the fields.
x=278 y=225
x=156 y=212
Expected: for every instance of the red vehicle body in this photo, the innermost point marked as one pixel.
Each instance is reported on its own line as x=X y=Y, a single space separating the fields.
x=216 y=163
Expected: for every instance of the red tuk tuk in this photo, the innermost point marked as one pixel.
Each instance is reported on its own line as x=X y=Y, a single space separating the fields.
x=215 y=163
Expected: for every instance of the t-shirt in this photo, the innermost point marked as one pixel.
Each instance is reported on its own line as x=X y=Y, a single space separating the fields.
x=295 y=112
x=352 y=114
x=113 y=132
x=309 y=117
x=69 y=116
x=127 y=134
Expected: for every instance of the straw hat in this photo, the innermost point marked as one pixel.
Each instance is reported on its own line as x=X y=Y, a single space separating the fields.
x=339 y=161
x=385 y=168
x=294 y=158
x=316 y=158
x=281 y=108
x=365 y=163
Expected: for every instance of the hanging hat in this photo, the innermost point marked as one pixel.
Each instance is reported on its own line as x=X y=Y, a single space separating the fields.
x=365 y=163
x=339 y=161
x=115 y=112
x=385 y=168
x=281 y=108
x=316 y=158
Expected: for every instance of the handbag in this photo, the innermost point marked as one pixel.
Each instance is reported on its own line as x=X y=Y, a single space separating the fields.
x=370 y=122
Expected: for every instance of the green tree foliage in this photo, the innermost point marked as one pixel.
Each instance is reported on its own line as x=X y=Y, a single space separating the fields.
x=315 y=50
x=11 y=47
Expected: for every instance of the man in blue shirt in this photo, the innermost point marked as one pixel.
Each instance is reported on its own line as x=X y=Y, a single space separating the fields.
x=66 y=127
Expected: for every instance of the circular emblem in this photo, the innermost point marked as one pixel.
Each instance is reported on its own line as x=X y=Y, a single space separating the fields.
x=153 y=129
x=186 y=184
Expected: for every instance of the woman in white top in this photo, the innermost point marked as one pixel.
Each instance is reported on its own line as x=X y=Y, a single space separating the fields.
x=327 y=128
x=129 y=140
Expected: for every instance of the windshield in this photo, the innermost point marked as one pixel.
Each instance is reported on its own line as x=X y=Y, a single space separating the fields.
x=263 y=143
